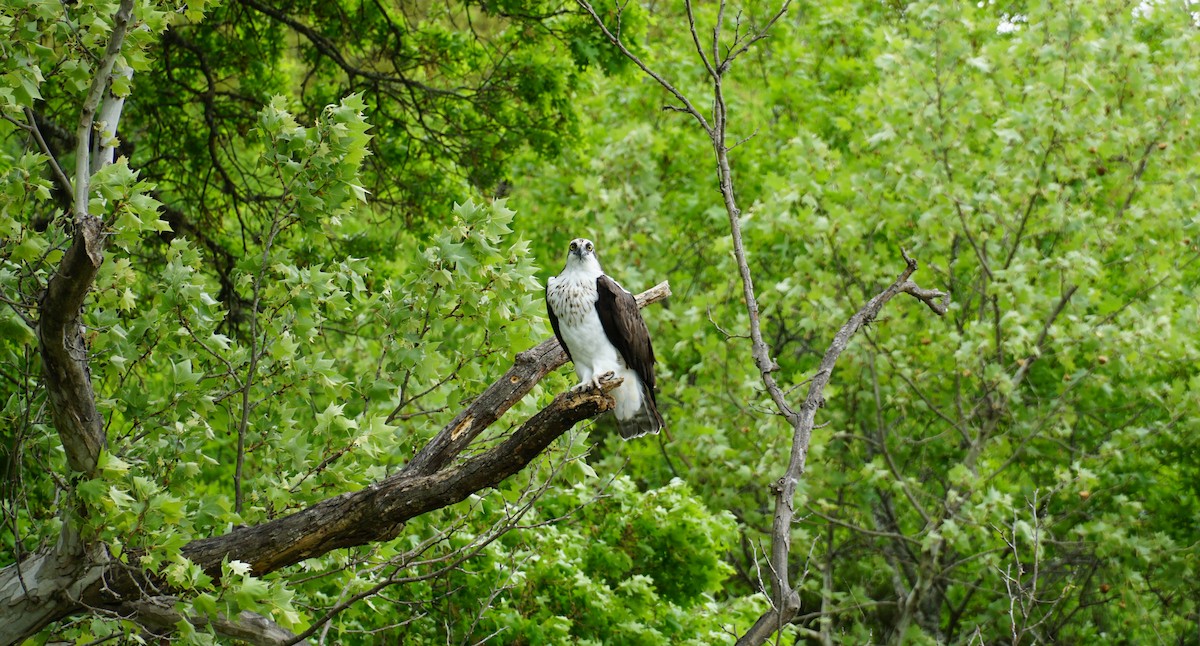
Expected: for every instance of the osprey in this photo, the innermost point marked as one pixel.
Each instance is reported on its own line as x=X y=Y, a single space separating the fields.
x=599 y=325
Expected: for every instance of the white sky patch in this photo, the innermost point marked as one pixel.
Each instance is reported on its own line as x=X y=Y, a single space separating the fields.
x=1010 y=23
x=1146 y=8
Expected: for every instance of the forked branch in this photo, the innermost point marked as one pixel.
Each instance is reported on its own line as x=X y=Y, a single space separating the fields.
x=373 y=514
x=785 y=599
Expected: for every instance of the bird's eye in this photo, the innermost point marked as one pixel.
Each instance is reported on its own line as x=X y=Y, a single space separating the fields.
x=574 y=246
x=589 y=246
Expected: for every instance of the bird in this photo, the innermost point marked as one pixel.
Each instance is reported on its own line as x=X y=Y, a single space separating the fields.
x=601 y=328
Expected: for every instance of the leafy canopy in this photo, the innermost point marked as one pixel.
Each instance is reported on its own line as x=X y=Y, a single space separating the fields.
x=308 y=275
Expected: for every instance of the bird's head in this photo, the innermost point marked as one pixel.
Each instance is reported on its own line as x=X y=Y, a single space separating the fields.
x=582 y=255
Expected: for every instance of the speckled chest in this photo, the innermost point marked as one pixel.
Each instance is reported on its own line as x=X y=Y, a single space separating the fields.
x=573 y=299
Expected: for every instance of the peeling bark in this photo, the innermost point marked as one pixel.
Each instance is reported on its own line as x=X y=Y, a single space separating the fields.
x=47 y=586
x=42 y=589
x=65 y=352
x=378 y=513
x=60 y=330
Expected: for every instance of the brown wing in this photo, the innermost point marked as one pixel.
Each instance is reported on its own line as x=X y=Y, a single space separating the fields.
x=554 y=325
x=623 y=324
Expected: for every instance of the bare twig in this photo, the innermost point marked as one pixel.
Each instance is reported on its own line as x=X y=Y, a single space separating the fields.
x=615 y=40
x=59 y=176
x=696 y=40
x=937 y=301
x=785 y=601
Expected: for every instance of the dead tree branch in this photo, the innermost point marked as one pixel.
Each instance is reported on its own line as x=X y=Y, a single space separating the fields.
x=376 y=513
x=160 y=615
x=787 y=604
x=30 y=590
x=785 y=599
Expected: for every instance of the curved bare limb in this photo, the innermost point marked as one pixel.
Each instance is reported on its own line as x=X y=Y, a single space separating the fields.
x=49 y=585
x=785 y=600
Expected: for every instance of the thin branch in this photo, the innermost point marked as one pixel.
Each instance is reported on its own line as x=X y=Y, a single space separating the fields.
x=691 y=109
x=696 y=40
x=716 y=37
x=59 y=176
x=762 y=33
x=726 y=334
x=252 y=367
x=920 y=393
x=858 y=529
x=882 y=441
x=962 y=218
x=937 y=301
x=1041 y=340
x=1037 y=191
x=95 y=94
x=328 y=49
x=1136 y=179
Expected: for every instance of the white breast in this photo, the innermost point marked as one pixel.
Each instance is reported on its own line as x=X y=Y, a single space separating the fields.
x=572 y=295
x=573 y=298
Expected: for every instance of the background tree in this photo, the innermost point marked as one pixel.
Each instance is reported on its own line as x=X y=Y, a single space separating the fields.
x=954 y=496
x=281 y=320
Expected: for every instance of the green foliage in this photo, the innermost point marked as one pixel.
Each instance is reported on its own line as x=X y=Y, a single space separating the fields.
x=454 y=92
x=1050 y=150
x=307 y=276
x=598 y=562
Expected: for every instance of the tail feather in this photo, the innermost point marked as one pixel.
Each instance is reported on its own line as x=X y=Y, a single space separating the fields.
x=645 y=421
